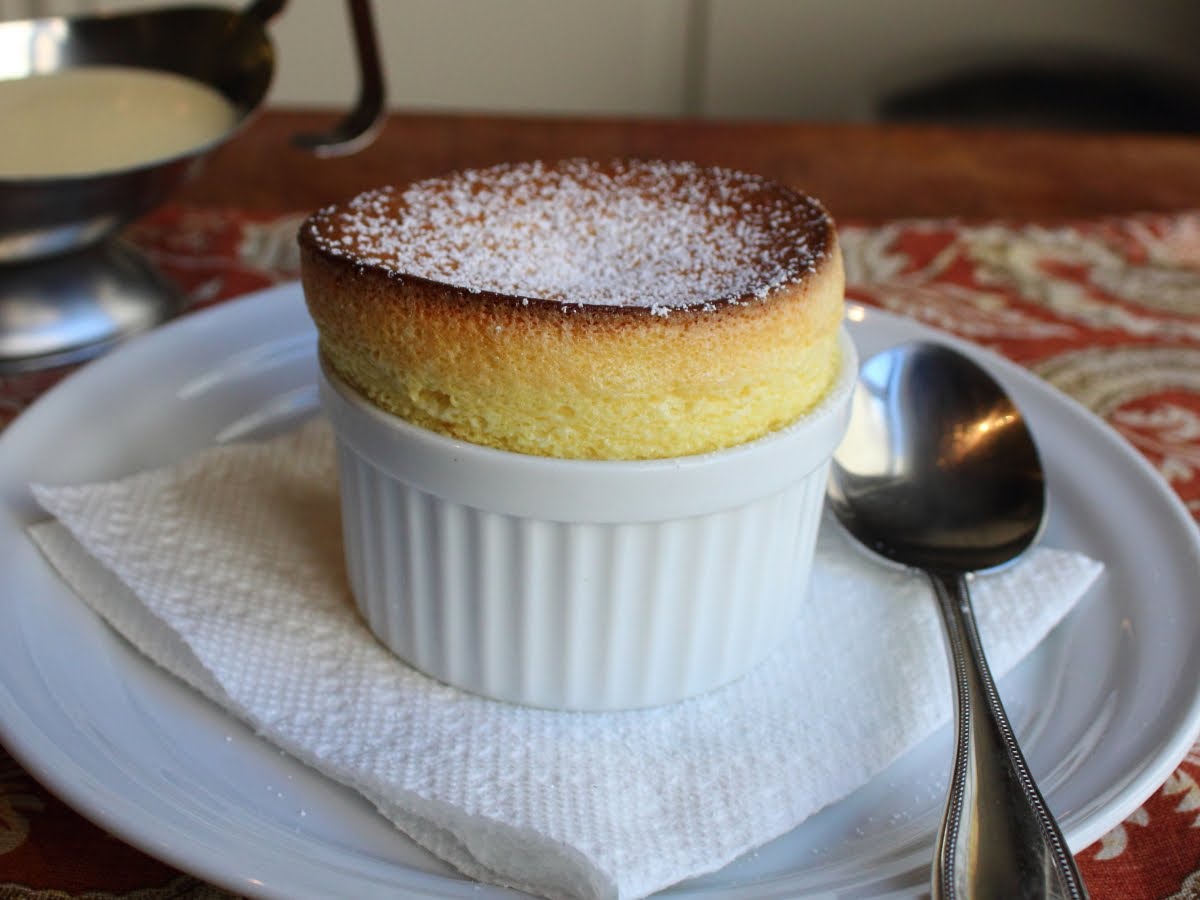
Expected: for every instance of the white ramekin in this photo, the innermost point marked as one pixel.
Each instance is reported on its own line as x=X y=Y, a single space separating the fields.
x=579 y=584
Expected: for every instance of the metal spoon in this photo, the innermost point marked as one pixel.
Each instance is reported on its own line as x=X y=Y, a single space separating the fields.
x=939 y=472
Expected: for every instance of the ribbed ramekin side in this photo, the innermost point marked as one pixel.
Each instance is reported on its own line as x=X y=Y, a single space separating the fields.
x=574 y=615
x=747 y=583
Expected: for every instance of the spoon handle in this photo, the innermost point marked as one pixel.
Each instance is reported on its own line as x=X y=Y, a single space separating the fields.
x=998 y=838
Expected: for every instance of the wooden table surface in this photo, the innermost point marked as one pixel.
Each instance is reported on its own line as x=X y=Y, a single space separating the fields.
x=863 y=172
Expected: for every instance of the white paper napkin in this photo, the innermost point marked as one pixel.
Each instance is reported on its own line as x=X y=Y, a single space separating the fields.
x=226 y=570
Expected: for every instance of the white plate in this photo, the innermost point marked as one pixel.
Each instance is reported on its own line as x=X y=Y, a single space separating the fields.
x=1105 y=708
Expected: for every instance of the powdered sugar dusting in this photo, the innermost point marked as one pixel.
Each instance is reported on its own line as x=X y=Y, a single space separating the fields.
x=656 y=234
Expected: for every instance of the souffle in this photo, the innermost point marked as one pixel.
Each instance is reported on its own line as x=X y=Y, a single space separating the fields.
x=621 y=310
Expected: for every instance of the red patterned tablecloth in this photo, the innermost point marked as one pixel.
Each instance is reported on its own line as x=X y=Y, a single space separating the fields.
x=1108 y=311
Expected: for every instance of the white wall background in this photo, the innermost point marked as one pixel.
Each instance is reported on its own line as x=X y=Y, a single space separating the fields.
x=818 y=59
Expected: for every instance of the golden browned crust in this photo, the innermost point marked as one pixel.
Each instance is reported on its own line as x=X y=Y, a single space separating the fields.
x=584 y=380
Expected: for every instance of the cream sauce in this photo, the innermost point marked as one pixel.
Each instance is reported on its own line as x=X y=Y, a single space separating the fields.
x=97 y=119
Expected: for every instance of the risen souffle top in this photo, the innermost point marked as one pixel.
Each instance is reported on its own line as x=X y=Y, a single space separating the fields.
x=636 y=233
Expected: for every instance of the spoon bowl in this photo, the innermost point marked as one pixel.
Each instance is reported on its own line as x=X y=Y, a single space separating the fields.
x=938 y=468
x=938 y=471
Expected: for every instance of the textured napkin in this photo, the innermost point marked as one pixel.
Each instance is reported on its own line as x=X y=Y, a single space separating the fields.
x=226 y=570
